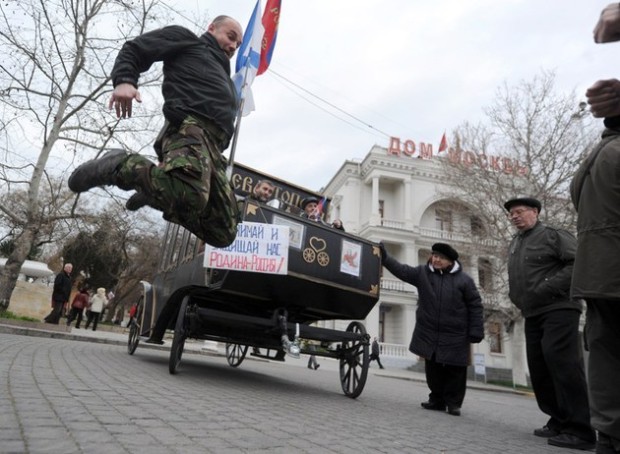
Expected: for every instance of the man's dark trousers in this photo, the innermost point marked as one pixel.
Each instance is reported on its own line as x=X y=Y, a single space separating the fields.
x=556 y=369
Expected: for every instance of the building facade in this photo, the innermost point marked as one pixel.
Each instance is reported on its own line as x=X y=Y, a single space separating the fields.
x=405 y=202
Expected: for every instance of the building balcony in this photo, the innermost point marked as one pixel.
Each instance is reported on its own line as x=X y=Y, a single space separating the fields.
x=396 y=285
x=447 y=236
x=401 y=228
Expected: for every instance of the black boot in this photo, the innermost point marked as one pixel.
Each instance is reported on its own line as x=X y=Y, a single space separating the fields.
x=139 y=200
x=97 y=172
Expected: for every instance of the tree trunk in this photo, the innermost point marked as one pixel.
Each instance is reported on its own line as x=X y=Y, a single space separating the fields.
x=10 y=273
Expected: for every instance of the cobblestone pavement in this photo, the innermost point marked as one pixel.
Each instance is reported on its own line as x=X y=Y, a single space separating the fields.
x=61 y=396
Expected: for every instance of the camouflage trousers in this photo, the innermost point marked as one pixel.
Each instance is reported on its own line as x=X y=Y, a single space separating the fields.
x=190 y=185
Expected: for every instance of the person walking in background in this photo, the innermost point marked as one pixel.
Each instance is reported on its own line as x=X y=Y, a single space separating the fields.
x=312 y=362
x=375 y=351
x=80 y=302
x=60 y=294
x=190 y=186
x=97 y=303
x=133 y=311
x=596 y=275
x=448 y=319
x=540 y=266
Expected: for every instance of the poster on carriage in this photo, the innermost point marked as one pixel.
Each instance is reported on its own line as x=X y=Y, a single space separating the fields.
x=258 y=248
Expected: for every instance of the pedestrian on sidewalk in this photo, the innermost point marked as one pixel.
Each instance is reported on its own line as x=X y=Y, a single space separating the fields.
x=60 y=294
x=540 y=266
x=448 y=319
x=97 y=303
x=80 y=301
x=375 y=351
x=312 y=362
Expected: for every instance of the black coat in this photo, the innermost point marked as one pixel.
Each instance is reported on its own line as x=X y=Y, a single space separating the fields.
x=449 y=314
x=62 y=288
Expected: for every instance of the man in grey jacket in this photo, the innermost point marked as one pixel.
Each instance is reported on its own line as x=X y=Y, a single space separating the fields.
x=540 y=266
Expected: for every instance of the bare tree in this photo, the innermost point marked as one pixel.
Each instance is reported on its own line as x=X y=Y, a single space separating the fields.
x=54 y=79
x=115 y=251
x=541 y=136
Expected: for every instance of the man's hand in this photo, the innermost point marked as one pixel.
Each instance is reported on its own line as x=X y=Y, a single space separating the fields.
x=604 y=98
x=122 y=99
x=383 y=251
x=608 y=27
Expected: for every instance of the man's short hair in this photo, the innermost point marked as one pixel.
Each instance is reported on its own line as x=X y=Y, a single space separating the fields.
x=219 y=19
x=268 y=182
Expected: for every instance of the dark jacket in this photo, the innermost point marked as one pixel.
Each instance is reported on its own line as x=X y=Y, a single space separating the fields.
x=595 y=191
x=540 y=265
x=62 y=288
x=374 y=348
x=196 y=74
x=449 y=313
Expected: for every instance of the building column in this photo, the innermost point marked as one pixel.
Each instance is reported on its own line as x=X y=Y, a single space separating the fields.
x=372 y=321
x=408 y=206
x=375 y=219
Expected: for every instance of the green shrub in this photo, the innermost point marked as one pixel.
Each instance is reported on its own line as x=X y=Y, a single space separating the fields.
x=11 y=316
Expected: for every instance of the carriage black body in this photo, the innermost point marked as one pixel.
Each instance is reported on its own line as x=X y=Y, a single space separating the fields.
x=254 y=309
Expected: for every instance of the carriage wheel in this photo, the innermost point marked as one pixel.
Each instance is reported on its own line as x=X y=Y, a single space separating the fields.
x=354 y=362
x=309 y=255
x=134 y=328
x=178 y=341
x=235 y=354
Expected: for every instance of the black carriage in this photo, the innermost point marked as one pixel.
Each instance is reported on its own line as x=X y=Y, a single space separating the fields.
x=235 y=295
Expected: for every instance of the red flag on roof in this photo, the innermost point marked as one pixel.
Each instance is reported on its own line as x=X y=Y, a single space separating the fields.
x=443 y=145
x=271 y=18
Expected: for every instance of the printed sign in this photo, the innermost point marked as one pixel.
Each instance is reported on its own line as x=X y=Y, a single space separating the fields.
x=258 y=248
x=351 y=257
x=479 y=366
x=296 y=230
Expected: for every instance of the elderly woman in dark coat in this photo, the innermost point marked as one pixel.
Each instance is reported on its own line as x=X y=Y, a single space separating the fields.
x=448 y=319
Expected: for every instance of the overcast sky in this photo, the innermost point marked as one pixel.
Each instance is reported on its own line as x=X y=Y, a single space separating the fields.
x=411 y=69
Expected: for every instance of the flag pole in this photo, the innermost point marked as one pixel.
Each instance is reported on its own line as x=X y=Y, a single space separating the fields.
x=233 y=147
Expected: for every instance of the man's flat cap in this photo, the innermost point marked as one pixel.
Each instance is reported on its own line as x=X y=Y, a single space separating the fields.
x=525 y=201
x=308 y=200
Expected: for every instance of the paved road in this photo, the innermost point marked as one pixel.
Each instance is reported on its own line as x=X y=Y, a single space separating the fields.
x=63 y=396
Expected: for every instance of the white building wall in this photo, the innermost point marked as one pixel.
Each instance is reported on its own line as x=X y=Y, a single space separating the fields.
x=412 y=191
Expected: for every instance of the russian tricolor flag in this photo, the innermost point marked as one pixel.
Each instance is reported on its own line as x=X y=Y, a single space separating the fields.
x=271 y=18
x=256 y=50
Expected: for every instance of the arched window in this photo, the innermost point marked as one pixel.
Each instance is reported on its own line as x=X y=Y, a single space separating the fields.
x=485 y=275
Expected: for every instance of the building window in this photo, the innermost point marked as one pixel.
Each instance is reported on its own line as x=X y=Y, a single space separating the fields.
x=485 y=277
x=381 y=207
x=477 y=226
x=495 y=337
x=443 y=220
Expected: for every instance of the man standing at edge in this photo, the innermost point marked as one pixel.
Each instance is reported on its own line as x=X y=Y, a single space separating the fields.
x=596 y=277
x=540 y=265
x=190 y=185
